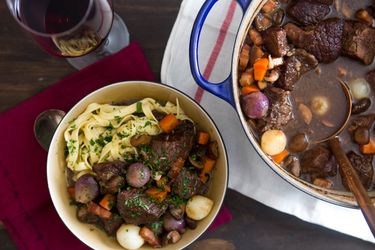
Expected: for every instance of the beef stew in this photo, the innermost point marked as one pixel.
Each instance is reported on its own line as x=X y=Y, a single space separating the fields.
x=298 y=63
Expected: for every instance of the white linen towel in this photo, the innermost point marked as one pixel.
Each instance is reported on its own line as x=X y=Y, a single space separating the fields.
x=248 y=173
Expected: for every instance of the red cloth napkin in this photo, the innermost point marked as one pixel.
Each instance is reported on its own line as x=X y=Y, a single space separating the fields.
x=25 y=205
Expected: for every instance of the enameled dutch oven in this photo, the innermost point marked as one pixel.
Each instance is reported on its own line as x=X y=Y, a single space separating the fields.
x=228 y=90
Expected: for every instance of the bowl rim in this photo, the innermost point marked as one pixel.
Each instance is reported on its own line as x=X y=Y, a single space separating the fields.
x=331 y=196
x=148 y=83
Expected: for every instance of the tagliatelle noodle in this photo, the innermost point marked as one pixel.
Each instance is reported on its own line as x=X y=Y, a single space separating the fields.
x=103 y=131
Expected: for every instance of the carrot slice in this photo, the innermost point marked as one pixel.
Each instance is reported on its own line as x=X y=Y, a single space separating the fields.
x=280 y=157
x=368 y=149
x=260 y=69
x=203 y=138
x=168 y=123
x=98 y=210
x=208 y=165
x=107 y=202
x=249 y=89
x=157 y=194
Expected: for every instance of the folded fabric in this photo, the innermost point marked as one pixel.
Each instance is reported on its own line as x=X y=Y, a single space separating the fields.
x=248 y=173
x=25 y=205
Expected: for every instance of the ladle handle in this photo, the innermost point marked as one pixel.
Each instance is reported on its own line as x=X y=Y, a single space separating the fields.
x=354 y=183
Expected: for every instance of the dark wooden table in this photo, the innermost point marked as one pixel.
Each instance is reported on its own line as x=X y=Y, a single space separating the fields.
x=26 y=70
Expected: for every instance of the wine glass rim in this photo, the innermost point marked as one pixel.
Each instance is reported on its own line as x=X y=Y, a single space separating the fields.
x=13 y=5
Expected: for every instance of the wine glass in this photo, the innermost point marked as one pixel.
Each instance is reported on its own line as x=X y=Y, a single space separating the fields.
x=83 y=31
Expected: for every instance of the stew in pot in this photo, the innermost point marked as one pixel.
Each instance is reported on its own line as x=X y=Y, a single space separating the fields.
x=291 y=66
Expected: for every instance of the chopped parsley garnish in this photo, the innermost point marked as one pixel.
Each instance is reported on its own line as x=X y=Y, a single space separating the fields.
x=123 y=135
x=118 y=118
x=72 y=124
x=185 y=185
x=138 y=201
x=110 y=126
x=176 y=200
x=131 y=158
x=147 y=123
x=108 y=138
x=71 y=147
x=100 y=142
x=92 y=142
x=194 y=157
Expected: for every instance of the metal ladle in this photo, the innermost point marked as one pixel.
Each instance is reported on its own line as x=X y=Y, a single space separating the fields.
x=45 y=125
x=348 y=172
x=349 y=99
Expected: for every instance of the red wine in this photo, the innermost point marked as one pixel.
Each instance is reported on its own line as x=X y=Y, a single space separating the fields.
x=67 y=28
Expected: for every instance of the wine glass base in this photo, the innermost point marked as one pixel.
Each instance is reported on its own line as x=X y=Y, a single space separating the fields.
x=117 y=39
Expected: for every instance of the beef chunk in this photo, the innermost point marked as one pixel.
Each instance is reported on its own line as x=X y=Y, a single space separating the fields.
x=308 y=12
x=167 y=149
x=319 y=162
x=110 y=176
x=186 y=184
x=158 y=115
x=294 y=67
x=370 y=77
x=324 y=40
x=112 y=224
x=363 y=167
x=280 y=112
x=364 y=121
x=329 y=2
x=106 y=171
x=113 y=185
x=85 y=216
x=359 y=41
x=275 y=41
x=294 y=33
x=137 y=208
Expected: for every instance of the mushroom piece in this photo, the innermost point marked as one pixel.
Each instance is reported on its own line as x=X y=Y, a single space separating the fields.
x=275 y=62
x=139 y=140
x=362 y=135
x=263 y=22
x=171 y=238
x=193 y=159
x=305 y=113
x=190 y=223
x=177 y=211
x=293 y=165
x=213 y=150
x=361 y=106
x=364 y=16
x=272 y=77
x=299 y=143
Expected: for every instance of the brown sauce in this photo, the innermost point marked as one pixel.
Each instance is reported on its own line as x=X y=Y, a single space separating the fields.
x=324 y=82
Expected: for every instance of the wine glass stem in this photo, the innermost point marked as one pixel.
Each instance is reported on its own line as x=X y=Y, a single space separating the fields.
x=117 y=39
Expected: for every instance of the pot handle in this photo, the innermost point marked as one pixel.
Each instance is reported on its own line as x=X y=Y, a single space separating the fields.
x=223 y=89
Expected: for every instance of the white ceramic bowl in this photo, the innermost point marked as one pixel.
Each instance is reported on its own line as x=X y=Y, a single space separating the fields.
x=89 y=234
